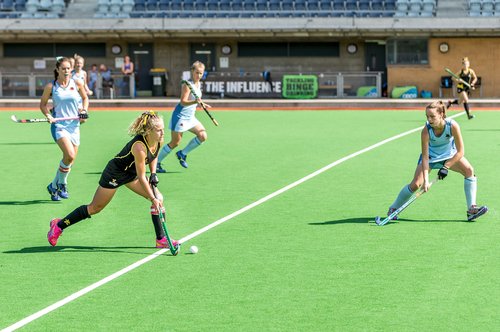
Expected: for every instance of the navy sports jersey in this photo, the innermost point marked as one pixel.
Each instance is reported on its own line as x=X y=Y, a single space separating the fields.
x=467 y=77
x=121 y=169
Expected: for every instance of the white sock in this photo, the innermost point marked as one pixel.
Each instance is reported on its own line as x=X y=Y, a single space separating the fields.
x=62 y=173
x=470 y=188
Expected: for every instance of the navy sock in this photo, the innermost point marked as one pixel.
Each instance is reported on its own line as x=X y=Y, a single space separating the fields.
x=466 y=107
x=77 y=215
x=155 y=217
x=160 y=233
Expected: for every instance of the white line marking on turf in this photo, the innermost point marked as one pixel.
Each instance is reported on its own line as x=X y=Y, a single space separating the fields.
x=296 y=183
x=129 y=268
x=81 y=292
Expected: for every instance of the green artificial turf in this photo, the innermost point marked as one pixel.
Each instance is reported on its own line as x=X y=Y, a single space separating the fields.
x=310 y=259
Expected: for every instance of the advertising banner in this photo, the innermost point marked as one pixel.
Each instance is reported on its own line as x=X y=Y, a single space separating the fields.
x=300 y=86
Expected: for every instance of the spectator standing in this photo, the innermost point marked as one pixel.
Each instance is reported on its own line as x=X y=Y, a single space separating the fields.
x=92 y=78
x=127 y=71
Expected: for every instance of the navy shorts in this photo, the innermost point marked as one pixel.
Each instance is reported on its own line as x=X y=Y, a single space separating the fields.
x=436 y=165
x=112 y=178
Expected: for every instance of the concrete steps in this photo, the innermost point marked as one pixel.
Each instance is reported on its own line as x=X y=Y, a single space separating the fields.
x=452 y=8
x=81 y=9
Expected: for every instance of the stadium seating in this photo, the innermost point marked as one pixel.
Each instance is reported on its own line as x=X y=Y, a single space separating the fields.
x=415 y=8
x=208 y=8
x=484 y=7
x=487 y=8
x=12 y=8
x=390 y=5
x=259 y=8
x=243 y=8
x=124 y=8
x=32 y=8
x=7 y=5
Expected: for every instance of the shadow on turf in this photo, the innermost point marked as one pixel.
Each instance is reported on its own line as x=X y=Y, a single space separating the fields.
x=32 y=202
x=430 y=221
x=371 y=220
x=360 y=220
x=99 y=173
x=69 y=249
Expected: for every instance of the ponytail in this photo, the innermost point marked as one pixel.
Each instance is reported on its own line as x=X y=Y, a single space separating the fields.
x=145 y=123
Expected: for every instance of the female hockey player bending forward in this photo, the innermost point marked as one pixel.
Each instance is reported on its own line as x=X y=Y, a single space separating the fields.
x=443 y=149
x=127 y=168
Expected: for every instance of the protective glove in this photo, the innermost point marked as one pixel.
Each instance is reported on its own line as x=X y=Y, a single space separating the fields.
x=153 y=179
x=83 y=115
x=443 y=172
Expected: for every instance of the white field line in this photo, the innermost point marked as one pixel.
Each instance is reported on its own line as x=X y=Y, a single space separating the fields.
x=296 y=183
x=135 y=265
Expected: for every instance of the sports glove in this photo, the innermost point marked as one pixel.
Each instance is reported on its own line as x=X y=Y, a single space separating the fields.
x=443 y=172
x=83 y=115
x=153 y=179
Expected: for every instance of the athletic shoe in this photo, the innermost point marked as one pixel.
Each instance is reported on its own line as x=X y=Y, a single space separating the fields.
x=471 y=117
x=163 y=243
x=54 y=194
x=391 y=210
x=182 y=159
x=62 y=191
x=475 y=212
x=160 y=169
x=54 y=232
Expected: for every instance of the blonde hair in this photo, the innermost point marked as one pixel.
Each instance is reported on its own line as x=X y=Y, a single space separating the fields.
x=78 y=57
x=439 y=106
x=197 y=64
x=146 y=122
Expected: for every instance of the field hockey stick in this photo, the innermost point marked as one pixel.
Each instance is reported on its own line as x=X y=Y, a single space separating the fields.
x=15 y=119
x=201 y=104
x=457 y=77
x=404 y=206
x=174 y=250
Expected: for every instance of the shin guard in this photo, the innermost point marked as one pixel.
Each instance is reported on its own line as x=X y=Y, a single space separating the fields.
x=155 y=217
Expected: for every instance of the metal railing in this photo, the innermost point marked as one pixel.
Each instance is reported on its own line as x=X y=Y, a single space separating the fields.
x=32 y=85
x=330 y=84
